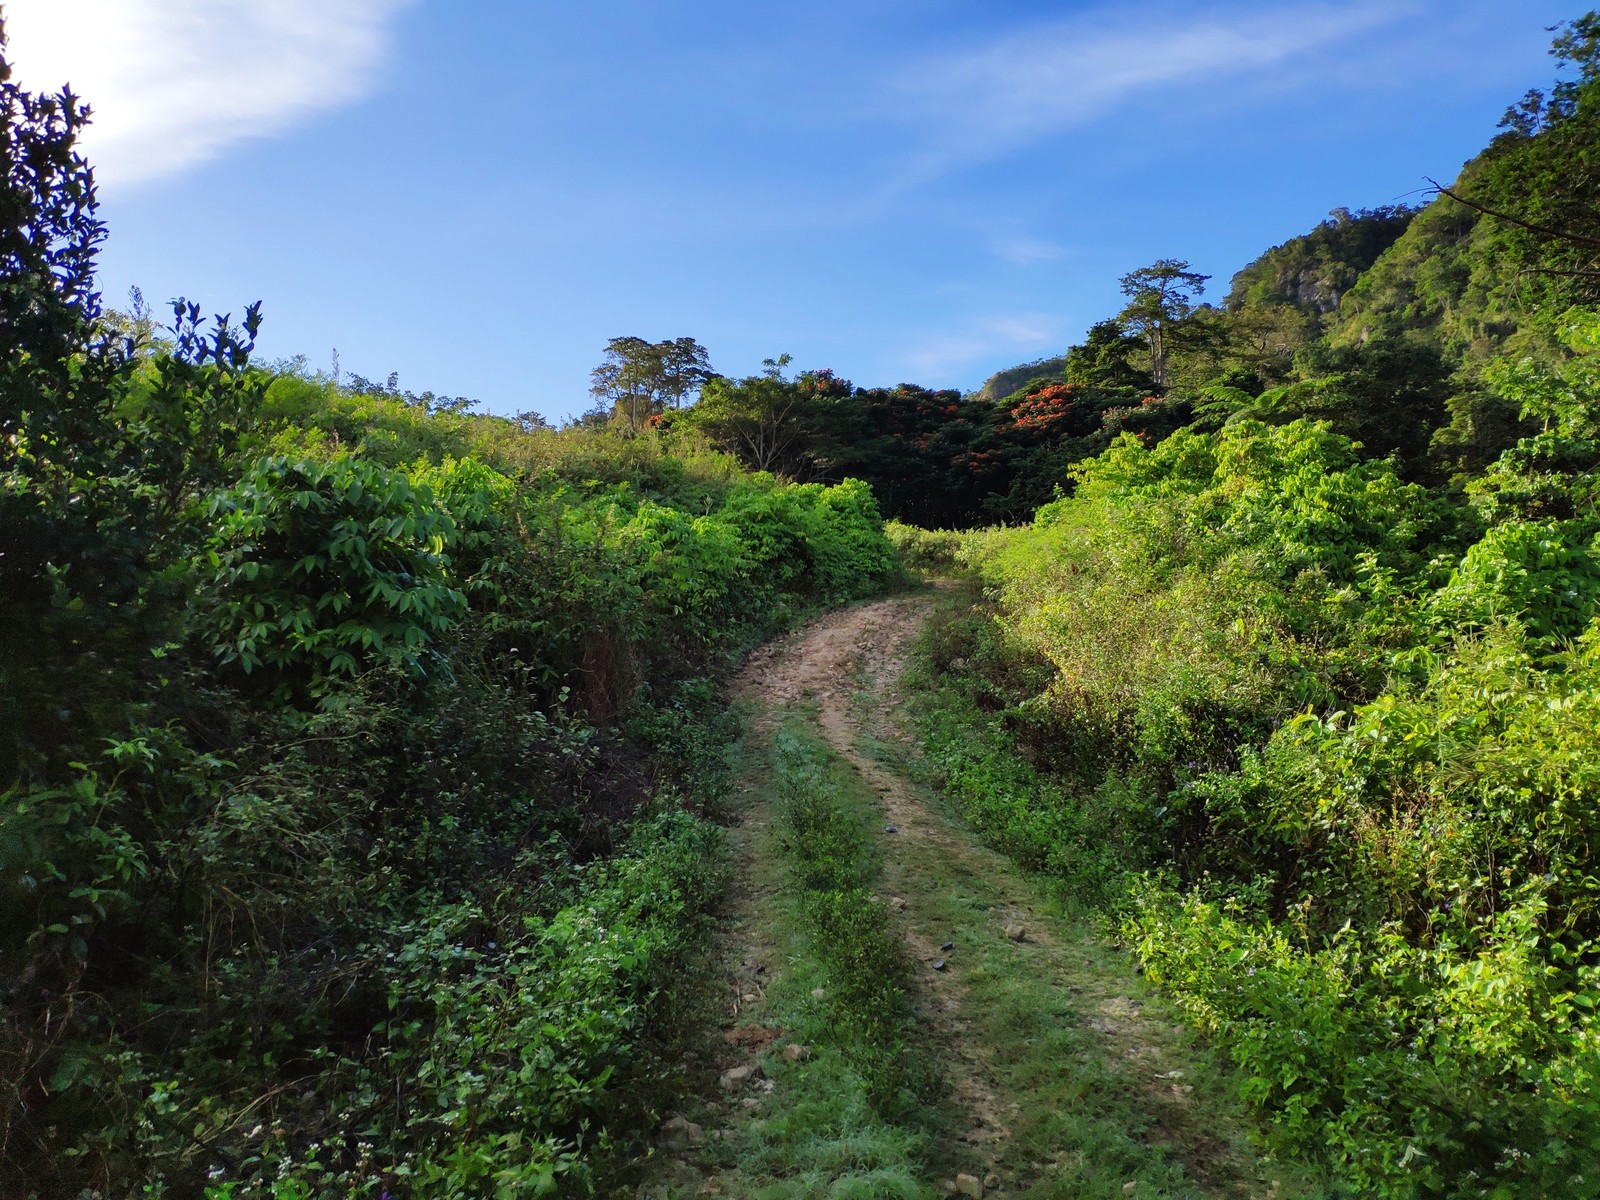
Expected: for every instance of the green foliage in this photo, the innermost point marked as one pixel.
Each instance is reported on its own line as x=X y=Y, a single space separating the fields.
x=1105 y=361
x=924 y=451
x=1551 y=474
x=1314 y=271
x=97 y=458
x=771 y=422
x=377 y=689
x=1160 y=298
x=343 y=840
x=80 y=867
x=1380 y=323
x=1013 y=379
x=499 y=1058
x=1388 y=396
x=321 y=570
x=638 y=380
x=1488 y=269
x=343 y=732
x=923 y=549
x=1527 y=572
x=1424 y=1005
x=1006 y=797
x=1325 y=746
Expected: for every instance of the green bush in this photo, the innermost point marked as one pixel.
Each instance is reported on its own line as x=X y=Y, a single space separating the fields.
x=1325 y=748
x=924 y=549
x=397 y=718
x=344 y=741
x=1529 y=572
x=500 y=1060
x=318 y=570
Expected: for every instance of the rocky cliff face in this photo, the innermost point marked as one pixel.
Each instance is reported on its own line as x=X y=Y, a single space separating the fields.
x=1314 y=292
x=1314 y=271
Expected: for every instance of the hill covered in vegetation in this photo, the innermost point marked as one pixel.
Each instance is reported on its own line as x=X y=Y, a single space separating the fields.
x=1380 y=322
x=361 y=753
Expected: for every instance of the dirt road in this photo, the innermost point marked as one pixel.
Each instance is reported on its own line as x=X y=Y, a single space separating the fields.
x=1063 y=1074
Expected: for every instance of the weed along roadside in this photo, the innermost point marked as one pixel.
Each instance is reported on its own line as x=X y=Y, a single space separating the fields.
x=908 y=1013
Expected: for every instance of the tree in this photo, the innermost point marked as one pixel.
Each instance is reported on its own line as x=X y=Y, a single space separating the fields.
x=764 y=419
x=1577 y=44
x=639 y=379
x=1160 y=297
x=685 y=368
x=136 y=325
x=624 y=379
x=1102 y=361
x=389 y=389
x=67 y=553
x=98 y=462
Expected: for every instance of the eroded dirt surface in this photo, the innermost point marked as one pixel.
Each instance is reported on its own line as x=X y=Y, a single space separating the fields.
x=831 y=663
x=847 y=664
x=973 y=924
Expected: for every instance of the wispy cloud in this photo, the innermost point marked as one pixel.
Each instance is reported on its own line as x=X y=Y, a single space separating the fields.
x=1030 y=83
x=1027 y=251
x=174 y=83
x=984 y=338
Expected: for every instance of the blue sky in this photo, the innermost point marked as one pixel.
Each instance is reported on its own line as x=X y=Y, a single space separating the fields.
x=479 y=194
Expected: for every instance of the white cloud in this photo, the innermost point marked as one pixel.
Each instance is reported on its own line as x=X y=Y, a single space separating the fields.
x=1031 y=83
x=984 y=338
x=176 y=82
x=1027 y=252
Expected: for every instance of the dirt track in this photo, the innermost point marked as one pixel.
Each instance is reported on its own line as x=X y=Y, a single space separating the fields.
x=848 y=663
x=1014 y=958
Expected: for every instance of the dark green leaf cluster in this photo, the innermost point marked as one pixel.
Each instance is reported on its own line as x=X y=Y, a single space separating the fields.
x=321 y=570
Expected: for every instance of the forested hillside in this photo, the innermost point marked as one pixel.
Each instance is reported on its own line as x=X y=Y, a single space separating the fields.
x=356 y=752
x=1304 y=697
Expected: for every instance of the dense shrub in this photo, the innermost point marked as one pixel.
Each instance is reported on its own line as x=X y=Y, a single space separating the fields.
x=924 y=549
x=343 y=835
x=318 y=570
x=1339 y=744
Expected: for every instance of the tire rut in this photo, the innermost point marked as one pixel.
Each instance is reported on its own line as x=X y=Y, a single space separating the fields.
x=848 y=664
x=830 y=663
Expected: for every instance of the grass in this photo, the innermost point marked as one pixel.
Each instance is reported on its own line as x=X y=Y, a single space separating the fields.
x=1046 y=1062
x=831 y=850
x=859 y=1118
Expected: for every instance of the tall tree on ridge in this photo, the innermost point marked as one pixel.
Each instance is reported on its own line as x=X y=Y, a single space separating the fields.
x=638 y=379
x=685 y=368
x=766 y=419
x=1160 y=296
